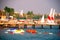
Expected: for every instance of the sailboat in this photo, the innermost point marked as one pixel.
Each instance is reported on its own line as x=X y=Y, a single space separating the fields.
x=49 y=16
x=42 y=20
x=21 y=13
x=50 y=19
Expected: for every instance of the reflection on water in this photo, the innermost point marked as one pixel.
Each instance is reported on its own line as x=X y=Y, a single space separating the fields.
x=42 y=34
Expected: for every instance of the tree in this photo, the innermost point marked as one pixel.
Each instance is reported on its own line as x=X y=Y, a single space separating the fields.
x=9 y=11
x=45 y=16
x=30 y=14
x=36 y=17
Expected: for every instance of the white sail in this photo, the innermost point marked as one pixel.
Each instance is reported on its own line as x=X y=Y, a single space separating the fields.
x=50 y=15
x=21 y=13
x=42 y=19
x=52 y=20
x=51 y=11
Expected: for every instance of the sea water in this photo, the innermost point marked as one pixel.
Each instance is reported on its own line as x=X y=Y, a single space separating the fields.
x=42 y=34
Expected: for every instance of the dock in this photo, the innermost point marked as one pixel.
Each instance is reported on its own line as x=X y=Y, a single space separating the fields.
x=22 y=25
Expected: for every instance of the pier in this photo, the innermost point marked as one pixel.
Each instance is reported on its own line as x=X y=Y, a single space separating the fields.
x=6 y=25
x=59 y=26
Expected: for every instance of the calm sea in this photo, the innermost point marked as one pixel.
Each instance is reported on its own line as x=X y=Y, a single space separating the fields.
x=41 y=35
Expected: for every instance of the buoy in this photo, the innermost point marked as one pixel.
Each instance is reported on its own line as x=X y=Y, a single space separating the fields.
x=39 y=32
x=51 y=33
x=31 y=31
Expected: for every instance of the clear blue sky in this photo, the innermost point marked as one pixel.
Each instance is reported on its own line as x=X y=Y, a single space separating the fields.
x=37 y=6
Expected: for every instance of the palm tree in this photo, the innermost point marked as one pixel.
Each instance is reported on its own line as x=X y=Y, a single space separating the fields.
x=9 y=11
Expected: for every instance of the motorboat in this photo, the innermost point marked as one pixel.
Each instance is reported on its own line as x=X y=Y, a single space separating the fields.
x=33 y=31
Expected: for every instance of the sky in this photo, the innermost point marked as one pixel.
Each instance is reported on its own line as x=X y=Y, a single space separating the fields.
x=37 y=6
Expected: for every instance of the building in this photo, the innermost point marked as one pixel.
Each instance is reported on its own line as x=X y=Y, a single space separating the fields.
x=2 y=14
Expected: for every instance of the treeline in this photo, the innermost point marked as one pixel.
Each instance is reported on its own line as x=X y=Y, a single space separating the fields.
x=30 y=14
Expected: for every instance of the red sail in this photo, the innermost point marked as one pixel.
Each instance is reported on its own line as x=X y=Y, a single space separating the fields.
x=49 y=17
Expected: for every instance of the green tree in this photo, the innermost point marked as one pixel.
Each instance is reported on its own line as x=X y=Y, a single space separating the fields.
x=45 y=16
x=9 y=11
x=36 y=17
x=30 y=14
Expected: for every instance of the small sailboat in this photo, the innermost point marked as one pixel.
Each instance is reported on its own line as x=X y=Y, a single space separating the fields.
x=42 y=20
x=49 y=16
x=50 y=19
x=21 y=13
